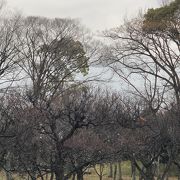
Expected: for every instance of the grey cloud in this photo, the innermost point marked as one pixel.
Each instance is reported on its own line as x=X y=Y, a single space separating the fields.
x=95 y=14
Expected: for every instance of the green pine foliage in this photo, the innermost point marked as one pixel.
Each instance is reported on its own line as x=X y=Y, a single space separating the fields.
x=162 y=19
x=162 y=13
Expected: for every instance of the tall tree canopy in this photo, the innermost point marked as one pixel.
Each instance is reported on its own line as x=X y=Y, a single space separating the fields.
x=163 y=18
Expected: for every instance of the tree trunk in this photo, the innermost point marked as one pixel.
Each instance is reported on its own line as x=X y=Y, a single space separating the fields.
x=59 y=166
x=158 y=170
x=52 y=176
x=59 y=170
x=141 y=176
x=167 y=176
x=73 y=176
x=100 y=177
x=59 y=173
x=133 y=170
x=110 y=170
x=101 y=168
x=100 y=173
x=166 y=169
x=33 y=177
x=47 y=176
x=120 y=171
x=115 y=172
x=8 y=167
x=80 y=174
x=149 y=173
x=9 y=176
x=179 y=176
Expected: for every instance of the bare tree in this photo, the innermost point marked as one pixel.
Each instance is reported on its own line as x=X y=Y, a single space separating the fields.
x=142 y=48
x=147 y=48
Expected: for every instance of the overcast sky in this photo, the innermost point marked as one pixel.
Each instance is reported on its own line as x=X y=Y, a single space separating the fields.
x=95 y=14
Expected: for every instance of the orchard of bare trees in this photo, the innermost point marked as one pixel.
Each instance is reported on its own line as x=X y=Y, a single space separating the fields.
x=54 y=122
